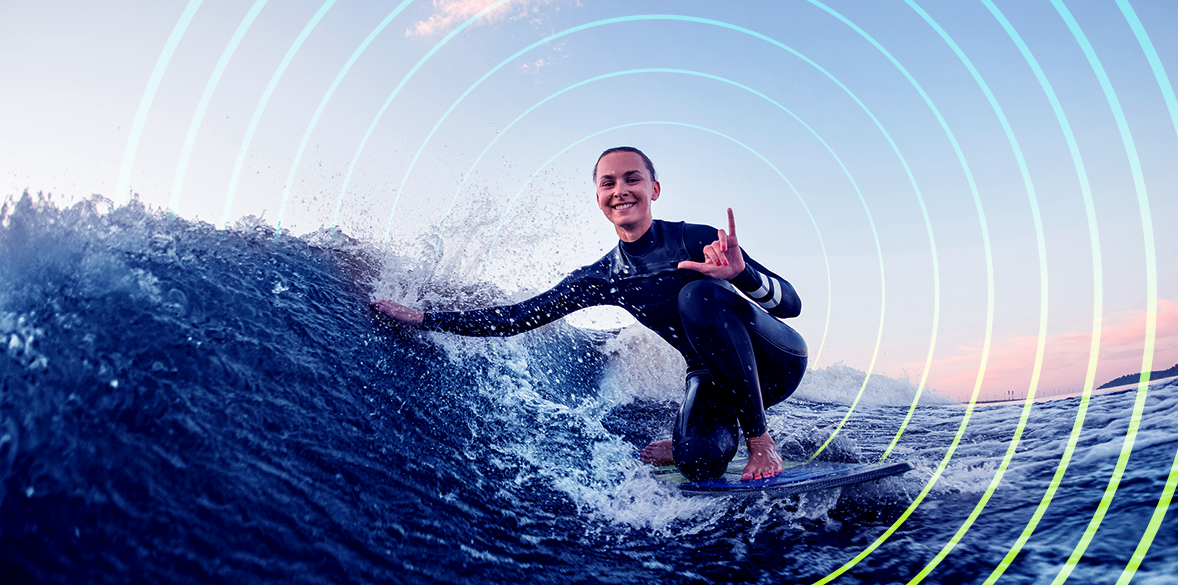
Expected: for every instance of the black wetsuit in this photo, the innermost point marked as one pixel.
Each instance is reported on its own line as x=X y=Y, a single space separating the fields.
x=740 y=359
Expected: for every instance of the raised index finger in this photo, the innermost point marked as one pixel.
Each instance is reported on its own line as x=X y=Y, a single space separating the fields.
x=731 y=223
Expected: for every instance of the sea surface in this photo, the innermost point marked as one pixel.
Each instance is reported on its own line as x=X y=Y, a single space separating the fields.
x=181 y=404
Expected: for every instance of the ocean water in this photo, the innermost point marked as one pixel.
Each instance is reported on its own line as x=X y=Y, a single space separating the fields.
x=180 y=404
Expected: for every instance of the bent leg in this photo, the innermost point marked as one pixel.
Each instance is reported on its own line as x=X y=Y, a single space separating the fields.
x=741 y=347
x=705 y=431
x=715 y=321
x=780 y=354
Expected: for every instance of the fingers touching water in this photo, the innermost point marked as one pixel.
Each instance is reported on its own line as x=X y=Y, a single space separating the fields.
x=399 y=313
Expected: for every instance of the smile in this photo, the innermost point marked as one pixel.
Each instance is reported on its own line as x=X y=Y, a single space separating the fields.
x=624 y=206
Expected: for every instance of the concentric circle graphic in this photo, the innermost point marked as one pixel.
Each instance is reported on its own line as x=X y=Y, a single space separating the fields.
x=972 y=200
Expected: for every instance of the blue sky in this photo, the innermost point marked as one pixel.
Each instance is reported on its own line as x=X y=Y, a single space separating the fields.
x=864 y=160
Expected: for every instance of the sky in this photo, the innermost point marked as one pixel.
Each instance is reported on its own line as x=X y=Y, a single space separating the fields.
x=978 y=196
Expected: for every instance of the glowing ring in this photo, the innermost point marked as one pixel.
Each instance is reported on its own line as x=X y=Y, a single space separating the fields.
x=153 y=85
x=269 y=91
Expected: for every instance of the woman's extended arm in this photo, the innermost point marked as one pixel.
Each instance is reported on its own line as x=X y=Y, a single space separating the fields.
x=577 y=291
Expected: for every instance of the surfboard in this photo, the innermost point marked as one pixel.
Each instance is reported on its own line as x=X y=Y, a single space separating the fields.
x=796 y=478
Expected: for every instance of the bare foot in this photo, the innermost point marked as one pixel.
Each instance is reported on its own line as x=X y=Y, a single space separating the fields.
x=657 y=453
x=763 y=458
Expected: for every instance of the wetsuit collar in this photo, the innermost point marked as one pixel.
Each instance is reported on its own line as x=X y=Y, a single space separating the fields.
x=645 y=243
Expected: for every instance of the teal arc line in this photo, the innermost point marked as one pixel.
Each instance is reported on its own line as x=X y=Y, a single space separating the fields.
x=294 y=167
x=388 y=101
x=339 y=77
x=928 y=224
x=1150 y=291
x=202 y=106
x=502 y=132
x=1167 y=495
x=1040 y=346
x=1098 y=294
x=226 y=213
x=817 y=230
x=989 y=301
x=123 y=187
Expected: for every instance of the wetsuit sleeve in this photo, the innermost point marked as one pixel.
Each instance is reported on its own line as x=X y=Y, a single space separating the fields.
x=579 y=290
x=772 y=292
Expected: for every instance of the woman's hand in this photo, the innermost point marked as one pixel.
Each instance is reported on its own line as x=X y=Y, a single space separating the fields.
x=400 y=313
x=722 y=258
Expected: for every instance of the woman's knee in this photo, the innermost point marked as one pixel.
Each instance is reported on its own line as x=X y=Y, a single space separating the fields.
x=698 y=300
x=701 y=458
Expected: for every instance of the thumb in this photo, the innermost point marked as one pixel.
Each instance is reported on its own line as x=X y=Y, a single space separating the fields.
x=696 y=266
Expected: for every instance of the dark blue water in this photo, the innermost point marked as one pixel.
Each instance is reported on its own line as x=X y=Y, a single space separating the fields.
x=182 y=404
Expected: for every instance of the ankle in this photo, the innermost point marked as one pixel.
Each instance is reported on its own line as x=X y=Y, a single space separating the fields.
x=760 y=440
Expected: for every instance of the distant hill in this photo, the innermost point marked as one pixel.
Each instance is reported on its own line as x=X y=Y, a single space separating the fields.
x=1134 y=378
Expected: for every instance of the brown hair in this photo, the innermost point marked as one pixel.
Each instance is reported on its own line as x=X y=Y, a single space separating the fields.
x=645 y=160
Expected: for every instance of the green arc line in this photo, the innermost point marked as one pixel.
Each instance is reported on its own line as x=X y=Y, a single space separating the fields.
x=895 y=148
x=227 y=212
x=802 y=200
x=1098 y=294
x=1151 y=291
x=153 y=85
x=1040 y=346
x=1167 y=495
x=989 y=302
x=205 y=97
x=502 y=132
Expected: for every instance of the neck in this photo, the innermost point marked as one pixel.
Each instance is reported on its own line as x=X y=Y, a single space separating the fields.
x=631 y=233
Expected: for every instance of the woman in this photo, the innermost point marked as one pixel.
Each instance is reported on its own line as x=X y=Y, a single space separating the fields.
x=681 y=283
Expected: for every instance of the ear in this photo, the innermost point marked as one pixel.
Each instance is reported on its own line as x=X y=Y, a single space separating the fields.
x=655 y=195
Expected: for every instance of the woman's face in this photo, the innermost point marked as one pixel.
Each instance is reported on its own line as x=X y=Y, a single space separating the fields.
x=624 y=193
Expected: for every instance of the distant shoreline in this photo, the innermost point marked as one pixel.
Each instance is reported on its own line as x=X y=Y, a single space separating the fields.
x=1131 y=380
x=1135 y=378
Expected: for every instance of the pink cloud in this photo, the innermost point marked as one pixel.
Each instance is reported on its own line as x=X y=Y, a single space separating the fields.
x=1065 y=359
x=448 y=13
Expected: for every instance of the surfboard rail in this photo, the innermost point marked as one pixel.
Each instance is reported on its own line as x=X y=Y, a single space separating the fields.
x=796 y=478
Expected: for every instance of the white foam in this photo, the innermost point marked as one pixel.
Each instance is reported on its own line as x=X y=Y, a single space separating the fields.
x=567 y=448
x=642 y=365
x=840 y=384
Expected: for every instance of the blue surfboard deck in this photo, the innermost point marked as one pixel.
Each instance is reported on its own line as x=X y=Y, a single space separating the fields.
x=796 y=478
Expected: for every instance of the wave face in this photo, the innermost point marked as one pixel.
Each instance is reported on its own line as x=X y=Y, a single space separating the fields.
x=182 y=404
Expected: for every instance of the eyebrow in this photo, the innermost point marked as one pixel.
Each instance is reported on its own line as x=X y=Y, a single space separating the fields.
x=625 y=174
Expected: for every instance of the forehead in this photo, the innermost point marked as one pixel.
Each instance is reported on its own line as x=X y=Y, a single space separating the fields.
x=619 y=163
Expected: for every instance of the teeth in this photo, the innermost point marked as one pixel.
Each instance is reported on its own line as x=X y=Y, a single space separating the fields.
x=624 y=206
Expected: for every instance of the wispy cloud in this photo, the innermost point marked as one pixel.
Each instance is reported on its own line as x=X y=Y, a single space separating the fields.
x=554 y=53
x=449 y=13
x=1065 y=360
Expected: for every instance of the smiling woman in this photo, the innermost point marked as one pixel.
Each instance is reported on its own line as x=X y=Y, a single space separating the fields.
x=679 y=282
x=628 y=206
